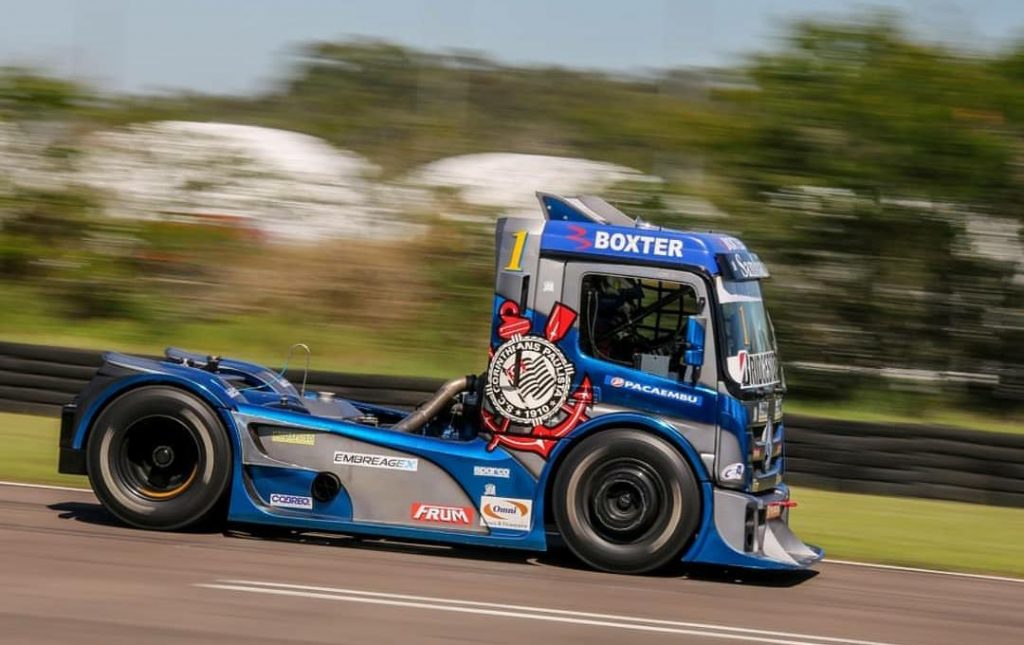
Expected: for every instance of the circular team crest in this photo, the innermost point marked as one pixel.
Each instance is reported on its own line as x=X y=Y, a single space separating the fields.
x=528 y=380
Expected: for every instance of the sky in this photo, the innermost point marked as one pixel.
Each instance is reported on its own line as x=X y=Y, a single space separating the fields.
x=243 y=46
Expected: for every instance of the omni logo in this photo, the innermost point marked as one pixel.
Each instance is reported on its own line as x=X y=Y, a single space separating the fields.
x=506 y=512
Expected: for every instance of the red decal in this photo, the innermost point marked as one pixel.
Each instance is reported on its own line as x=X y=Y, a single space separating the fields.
x=579 y=235
x=518 y=381
x=542 y=447
x=543 y=438
x=512 y=323
x=441 y=514
x=559 y=322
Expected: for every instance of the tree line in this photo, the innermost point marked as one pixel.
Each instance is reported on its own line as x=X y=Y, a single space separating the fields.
x=880 y=177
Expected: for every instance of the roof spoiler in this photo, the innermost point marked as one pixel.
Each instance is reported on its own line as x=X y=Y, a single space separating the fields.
x=584 y=208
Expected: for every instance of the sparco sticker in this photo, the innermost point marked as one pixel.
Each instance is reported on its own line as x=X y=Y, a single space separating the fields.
x=491 y=471
x=290 y=501
x=529 y=379
x=442 y=514
x=376 y=461
x=506 y=513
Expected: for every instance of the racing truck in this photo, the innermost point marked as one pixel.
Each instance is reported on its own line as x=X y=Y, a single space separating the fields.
x=631 y=410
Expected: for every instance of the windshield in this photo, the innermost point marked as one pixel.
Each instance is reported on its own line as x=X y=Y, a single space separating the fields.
x=747 y=333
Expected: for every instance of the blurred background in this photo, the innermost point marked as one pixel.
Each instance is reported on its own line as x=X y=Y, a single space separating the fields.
x=237 y=177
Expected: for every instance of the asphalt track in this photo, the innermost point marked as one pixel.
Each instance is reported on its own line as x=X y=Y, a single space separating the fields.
x=71 y=574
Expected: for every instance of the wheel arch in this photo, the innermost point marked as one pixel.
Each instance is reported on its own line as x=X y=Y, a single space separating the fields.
x=629 y=420
x=121 y=387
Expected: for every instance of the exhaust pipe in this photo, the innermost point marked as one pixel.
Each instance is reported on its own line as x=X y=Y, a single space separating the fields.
x=419 y=417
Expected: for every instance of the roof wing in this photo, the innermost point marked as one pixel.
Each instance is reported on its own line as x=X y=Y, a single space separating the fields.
x=585 y=208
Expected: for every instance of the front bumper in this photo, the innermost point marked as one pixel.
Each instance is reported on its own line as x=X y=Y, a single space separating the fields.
x=739 y=531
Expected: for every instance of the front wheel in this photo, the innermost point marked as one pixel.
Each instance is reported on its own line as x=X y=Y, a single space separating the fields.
x=626 y=501
x=159 y=458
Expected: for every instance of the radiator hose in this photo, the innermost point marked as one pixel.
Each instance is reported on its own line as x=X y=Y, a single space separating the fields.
x=419 y=417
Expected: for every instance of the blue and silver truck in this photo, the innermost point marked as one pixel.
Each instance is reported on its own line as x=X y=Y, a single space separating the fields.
x=631 y=409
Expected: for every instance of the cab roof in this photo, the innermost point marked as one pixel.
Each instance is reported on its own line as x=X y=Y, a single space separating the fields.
x=591 y=227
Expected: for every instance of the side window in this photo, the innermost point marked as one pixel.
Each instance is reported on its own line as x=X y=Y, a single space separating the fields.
x=637 y=322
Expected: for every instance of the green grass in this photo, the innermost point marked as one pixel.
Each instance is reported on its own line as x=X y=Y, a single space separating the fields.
x=892 y=530
x=878 y=411
x=912 y=532
x=265 y=339
x=29 y=452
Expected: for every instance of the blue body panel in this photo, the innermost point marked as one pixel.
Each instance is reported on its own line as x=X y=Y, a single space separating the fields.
x=648 y=246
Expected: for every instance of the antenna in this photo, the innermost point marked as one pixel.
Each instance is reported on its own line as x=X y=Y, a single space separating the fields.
x=305 y=373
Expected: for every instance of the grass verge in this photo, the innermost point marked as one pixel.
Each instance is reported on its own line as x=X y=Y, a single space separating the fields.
x=29 y=451
x=911 y=532
x=891 y=530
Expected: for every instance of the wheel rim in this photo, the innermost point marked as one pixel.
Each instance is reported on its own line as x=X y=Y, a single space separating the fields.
x=624 y=500
x=159 y=457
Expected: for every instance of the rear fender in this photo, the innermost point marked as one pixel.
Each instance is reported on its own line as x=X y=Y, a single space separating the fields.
x=213 y=393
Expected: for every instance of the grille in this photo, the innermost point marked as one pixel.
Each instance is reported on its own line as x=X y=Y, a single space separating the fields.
x=766 y=456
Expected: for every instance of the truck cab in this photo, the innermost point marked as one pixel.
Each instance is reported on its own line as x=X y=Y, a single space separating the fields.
x=603 y=321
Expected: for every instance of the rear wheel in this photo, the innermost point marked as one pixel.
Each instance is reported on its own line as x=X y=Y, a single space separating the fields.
x=159 y=458
x=626 y=501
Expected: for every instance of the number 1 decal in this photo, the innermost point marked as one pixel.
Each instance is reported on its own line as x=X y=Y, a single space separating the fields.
x=515 y=262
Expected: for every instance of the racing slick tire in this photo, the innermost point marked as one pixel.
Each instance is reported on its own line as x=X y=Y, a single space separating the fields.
x=159 y=458
x=625 y=501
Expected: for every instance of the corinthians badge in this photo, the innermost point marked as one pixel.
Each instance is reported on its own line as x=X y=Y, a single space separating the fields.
x=529 y=382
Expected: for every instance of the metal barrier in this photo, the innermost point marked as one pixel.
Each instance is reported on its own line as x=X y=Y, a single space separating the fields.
x=887 y=459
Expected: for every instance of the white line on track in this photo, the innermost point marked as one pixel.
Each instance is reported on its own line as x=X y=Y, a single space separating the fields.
x=893 y=567
x=533 y=613
x=45 y=486
x=870 y=565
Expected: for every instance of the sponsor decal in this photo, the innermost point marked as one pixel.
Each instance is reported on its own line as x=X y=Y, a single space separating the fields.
x=529 y=379
x=506 y=513
x=579 y=236
x=733 y=472
x=530 y=399
x=759 y=370
x=638 y=244
x=491 y=471
x=753 y=370
x=296 y=438
x=743 y=265
x=363 y=460
x=437 y=514
x=490 y=489
x=733 y=244
x=665 y=393
x=291 y=501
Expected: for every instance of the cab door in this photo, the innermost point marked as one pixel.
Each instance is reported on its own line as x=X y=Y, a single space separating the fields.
x=630 y=337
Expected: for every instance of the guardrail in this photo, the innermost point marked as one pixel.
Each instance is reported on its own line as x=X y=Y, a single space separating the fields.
x=888 y=459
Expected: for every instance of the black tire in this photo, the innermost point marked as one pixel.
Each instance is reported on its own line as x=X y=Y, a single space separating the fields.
x=625 y=501
x=159 y=458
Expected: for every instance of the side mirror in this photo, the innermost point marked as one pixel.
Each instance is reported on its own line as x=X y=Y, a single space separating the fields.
x=694 y=353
